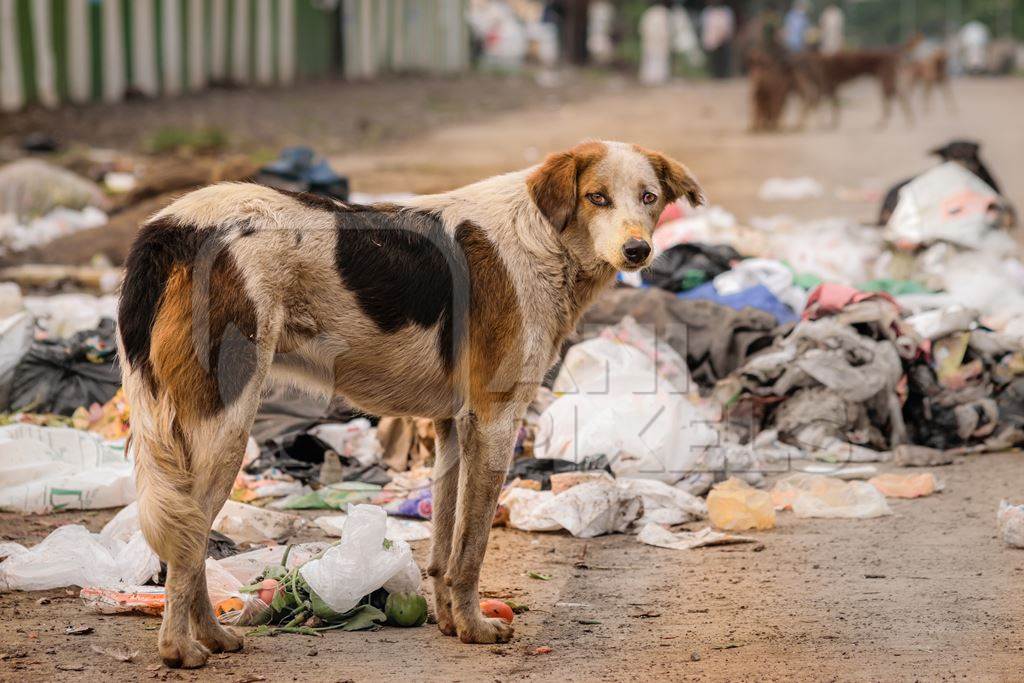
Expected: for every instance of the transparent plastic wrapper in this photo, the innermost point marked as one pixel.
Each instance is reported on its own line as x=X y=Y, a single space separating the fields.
x=363 y=561
x=894 y=485
x=734 y=505
x=72 y=556
x=48 y=468
x=813 y=495
x=247 y=566
x=231 y=605
x=1010 y=519
x=249 y=524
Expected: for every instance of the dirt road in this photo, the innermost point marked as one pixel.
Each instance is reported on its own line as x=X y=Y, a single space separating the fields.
x=929 y=593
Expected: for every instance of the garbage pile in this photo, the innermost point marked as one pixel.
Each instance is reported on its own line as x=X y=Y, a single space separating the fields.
x=754 y=371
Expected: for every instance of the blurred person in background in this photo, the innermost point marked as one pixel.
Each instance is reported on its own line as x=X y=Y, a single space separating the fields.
x=684 y=36
x=718 y=28
x=974 y=38
x=832 y=25
x=795 y=25
x=600 y=19
x=655 y=44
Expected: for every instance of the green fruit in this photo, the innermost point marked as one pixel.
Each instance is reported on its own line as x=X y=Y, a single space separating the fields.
x=406 y=609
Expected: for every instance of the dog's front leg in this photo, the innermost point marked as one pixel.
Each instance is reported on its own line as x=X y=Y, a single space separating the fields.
x=486 y=452
x=445 y=495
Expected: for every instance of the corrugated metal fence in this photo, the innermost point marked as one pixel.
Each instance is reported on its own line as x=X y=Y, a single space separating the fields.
x=56 y=51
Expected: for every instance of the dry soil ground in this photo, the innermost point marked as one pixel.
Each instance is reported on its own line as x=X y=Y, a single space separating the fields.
x=929 y=593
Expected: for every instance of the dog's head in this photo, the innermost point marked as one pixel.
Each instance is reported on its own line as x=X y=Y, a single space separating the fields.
x=604 y=199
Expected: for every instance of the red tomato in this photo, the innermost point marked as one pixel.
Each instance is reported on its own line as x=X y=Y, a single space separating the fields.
x=268 y=588
x=498 y=609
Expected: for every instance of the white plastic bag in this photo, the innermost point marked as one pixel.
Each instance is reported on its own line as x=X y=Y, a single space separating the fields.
x=627 y=396
x=590 y=509
x=659 y=536
x=947 y=204
x=356 y=438
x=56 y=468
x=361 y=562
x=71 y=556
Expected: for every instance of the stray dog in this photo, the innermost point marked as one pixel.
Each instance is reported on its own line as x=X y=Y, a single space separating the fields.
x=450 y=306
x=929 y=72
x=774 y=76
x=831 y=71
x=965 y=153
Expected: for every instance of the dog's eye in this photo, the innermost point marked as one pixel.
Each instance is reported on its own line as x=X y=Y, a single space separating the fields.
x=598 y=199
x=649 y=198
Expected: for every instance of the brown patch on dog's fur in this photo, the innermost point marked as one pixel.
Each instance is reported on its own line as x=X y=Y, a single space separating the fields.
x=553 y=186
x=676 y=180
x=495 y=320
x=203 y=389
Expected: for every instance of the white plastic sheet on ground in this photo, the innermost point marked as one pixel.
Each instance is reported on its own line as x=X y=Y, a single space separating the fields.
x=62 y=315
x=43 y=469
x=362 y=562
x=659 y=536
x=72 y=556
x=356 y=438
x=628 y=397
x=789 y=189
x=604 y=506
x=249 y=524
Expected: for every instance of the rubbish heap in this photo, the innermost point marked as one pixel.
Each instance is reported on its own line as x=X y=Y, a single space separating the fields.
x=754 y=371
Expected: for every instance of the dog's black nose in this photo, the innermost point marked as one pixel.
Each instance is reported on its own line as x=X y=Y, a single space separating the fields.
x=635 y=250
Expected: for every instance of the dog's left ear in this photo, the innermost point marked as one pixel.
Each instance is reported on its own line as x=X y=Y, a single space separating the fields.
x=676 y=180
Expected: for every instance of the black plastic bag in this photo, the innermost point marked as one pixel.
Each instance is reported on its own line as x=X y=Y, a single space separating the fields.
x=59 y=376
x=685 y=266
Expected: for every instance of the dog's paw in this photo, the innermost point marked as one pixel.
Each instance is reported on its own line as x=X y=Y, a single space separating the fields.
x=481 y=630
x=221 y=640
x=184 y=654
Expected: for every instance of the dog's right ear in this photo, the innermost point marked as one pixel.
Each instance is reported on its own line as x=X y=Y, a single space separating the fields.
x=553 y=188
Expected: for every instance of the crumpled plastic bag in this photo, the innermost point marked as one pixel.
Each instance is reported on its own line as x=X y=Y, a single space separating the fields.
x=734 y=505
x=1011 y=523
x=249 y=524
x=814 y=495
x=363 y=561
x=947 y=204
x=72 y=556
x=625 y=396
x=43 y=469
x=585 y=510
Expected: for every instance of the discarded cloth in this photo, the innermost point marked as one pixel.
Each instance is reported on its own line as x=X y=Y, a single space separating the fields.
x=714 y=339
x=758 y=296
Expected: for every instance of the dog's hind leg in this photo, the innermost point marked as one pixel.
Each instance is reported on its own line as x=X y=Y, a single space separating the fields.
x=445 y=496
x=486 y=453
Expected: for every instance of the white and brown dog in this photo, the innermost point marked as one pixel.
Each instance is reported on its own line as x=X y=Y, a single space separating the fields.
x=451 y=306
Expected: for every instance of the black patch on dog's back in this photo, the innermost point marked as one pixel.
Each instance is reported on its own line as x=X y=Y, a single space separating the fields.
x=404 y=269
x=158 y=246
